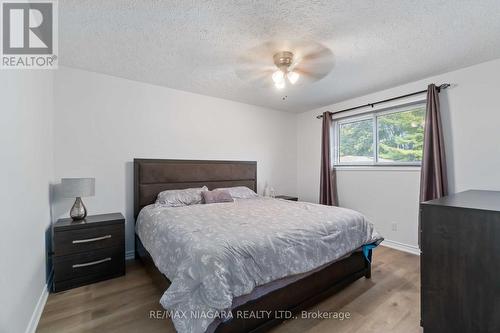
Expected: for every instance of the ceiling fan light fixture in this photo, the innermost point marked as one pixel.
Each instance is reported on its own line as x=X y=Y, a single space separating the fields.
x=278 y=77
x=283 y=61
x=293 y=77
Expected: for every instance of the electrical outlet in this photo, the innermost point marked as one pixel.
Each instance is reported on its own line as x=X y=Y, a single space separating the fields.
x=394 y=226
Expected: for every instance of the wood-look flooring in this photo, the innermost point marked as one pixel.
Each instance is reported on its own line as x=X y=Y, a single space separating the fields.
x=388 y=302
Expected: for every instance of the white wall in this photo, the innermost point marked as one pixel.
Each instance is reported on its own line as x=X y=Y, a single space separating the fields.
x=103 y=122
x=471 y=116
x=26 y=172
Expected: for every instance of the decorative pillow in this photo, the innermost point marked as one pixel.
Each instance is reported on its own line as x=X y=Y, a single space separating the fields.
x=178 y=198
x=240 y=192
x=216 y=196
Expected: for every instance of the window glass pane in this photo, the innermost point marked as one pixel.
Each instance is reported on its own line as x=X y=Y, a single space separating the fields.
x=401 y=136
x=356 y=142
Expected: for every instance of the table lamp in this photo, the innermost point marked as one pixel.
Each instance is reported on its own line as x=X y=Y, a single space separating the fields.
x=78 y=188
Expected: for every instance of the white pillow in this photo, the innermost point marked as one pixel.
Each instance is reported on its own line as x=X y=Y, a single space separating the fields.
x=178 y=198
x=240 y=192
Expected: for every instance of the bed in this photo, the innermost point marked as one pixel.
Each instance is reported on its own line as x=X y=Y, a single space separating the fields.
x=278 y=298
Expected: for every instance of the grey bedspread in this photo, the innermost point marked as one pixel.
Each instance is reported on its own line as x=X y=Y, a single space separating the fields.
x=213 y=253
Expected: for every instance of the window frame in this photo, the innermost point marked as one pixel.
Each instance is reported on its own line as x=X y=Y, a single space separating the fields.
x=373 y=115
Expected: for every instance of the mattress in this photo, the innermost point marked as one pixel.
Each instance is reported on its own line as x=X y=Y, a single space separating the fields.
x=218 y=256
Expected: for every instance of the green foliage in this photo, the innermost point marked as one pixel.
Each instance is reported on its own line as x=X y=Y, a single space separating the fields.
x=356 y=138
x=400 y=136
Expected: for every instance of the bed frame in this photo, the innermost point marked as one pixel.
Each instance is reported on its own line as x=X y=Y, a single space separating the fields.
x=152 y=176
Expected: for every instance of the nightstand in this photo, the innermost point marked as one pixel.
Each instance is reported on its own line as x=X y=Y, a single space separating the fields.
x=287 y=197
x=88 y=251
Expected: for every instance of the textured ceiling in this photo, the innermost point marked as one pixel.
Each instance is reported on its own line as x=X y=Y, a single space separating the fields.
x=193 y=45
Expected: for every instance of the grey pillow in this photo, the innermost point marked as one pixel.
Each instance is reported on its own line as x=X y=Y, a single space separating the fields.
x=240 y=192
x=216 y=196
x=178 y=198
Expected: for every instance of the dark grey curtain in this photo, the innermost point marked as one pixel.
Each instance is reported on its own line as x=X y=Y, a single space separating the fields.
x=433 y=178
x=328 y=182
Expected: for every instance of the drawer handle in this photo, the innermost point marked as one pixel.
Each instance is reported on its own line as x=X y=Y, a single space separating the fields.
x=92 y=263
x=88 y=240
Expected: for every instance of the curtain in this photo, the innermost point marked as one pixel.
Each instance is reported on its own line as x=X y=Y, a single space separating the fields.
x=433 y=178
x=328 y=181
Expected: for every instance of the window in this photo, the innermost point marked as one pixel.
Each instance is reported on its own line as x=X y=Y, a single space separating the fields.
x=356 y=141
x=389 y=137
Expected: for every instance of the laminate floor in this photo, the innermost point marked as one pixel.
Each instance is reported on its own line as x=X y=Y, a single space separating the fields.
x=388 y=302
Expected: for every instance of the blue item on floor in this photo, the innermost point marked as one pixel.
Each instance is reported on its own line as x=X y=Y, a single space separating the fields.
x=367 y=251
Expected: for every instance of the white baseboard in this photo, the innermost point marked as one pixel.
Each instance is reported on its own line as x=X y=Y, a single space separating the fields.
x=40 y=305
x=401 y=247
x=130 y=255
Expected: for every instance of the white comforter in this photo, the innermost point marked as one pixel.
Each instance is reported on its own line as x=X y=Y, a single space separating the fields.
x=213 y=253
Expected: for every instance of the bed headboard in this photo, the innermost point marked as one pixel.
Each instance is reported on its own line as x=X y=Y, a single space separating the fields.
x=151 y=176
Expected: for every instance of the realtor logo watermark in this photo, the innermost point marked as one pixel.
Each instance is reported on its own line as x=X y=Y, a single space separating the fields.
x=29 y=34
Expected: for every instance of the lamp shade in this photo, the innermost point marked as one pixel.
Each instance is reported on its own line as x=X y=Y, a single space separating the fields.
x=77 y=187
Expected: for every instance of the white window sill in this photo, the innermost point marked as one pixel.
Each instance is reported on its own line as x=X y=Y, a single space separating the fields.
x=409 y=168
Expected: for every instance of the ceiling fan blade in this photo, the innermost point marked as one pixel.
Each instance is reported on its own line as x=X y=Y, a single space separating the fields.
x=322 y=56
x=306 y=76
x=256 y=65
x=260 y=54
x=316 y=65
x=313 y=74
x=260 y=76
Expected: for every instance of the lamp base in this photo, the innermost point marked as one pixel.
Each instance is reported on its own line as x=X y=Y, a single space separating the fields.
x=78 y=211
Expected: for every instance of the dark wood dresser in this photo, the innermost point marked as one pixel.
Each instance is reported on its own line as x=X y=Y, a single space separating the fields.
x=460 y=263
x=88 y=251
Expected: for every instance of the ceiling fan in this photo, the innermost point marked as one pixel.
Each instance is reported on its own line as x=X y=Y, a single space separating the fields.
x=285 y=63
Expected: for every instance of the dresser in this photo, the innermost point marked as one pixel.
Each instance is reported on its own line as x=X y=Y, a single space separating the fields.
x=88 y=251
x=460 y=263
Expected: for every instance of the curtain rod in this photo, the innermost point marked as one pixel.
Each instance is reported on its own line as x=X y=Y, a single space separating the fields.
x=440 y=87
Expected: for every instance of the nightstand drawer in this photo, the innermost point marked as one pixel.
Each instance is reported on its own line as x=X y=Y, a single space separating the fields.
x=103 y=262
x=88 y=239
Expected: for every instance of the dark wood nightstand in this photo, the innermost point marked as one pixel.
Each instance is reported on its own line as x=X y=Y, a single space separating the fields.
x=88 y=251
x=287 y=197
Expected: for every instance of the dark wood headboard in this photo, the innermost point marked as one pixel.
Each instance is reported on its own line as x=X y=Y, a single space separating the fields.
x=151 y=176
